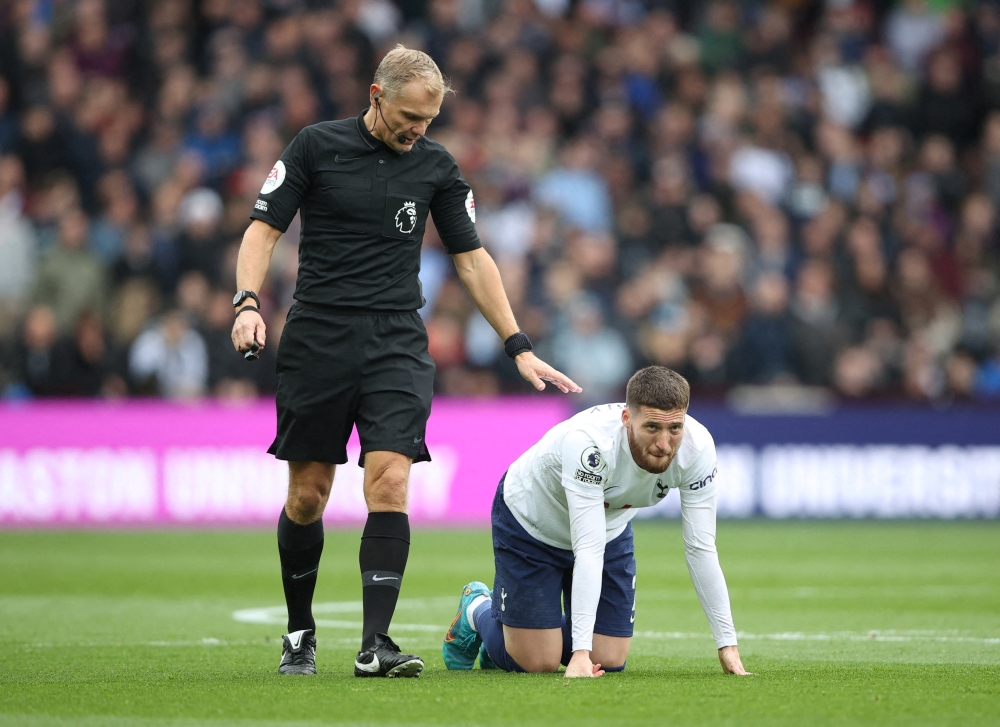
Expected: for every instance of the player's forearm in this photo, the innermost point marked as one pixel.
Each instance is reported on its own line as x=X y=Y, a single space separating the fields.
x=480 y=276
x=588 y=532
x=587 y=576
x=713 y=594
x=698 y=531
x=255 y=255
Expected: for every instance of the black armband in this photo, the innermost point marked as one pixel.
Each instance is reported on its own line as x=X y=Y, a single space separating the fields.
x=518 y=343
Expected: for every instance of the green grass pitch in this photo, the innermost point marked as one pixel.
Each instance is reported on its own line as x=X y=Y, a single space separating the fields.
x=842 y=623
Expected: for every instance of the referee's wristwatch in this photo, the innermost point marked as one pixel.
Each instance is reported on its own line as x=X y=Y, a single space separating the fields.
x=243 y=295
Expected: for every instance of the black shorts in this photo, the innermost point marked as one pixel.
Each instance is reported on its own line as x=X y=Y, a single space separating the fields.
x=336 y=370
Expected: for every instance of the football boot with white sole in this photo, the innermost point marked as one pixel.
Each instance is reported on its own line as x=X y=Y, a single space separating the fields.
x=461 y=643
x=384 y=660
x=299 y=653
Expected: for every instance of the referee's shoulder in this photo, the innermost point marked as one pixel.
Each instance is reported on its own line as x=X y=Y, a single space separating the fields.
x=328 y=129
x=436 y=150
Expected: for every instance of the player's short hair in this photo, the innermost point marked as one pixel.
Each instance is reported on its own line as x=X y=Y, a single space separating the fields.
x=657 y=387
x=401 y=65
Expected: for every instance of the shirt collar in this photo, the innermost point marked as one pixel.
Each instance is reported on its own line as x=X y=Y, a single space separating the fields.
x=366 y=135
x=373 y=141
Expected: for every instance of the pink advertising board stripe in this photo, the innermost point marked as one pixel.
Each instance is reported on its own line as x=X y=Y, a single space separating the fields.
x=152 y=463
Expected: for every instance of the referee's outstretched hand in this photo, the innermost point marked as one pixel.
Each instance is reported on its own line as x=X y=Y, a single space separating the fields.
x=537 y=372
x=249 y=327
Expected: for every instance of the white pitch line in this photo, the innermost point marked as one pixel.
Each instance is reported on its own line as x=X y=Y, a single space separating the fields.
x=277 y=615
x=876 y=636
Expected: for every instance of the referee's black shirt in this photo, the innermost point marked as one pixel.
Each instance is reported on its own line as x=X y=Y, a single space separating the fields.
x=364 y=207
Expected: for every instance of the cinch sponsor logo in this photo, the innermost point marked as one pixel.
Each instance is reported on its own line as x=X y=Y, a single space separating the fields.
x=703 y=483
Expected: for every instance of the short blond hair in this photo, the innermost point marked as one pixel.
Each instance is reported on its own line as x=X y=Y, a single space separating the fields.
x=401 y=65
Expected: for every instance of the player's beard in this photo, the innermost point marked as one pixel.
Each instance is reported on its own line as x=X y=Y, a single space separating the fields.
x=640 y=458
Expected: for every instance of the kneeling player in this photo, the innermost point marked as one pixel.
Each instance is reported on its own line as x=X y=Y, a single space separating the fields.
x=562 y=527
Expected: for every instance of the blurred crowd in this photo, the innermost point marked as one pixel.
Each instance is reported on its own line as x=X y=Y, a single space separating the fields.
x=753 y=193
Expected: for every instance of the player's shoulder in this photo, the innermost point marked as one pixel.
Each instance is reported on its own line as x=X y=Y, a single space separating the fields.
x=597 y=425
x=696 y=435
x=696 y=456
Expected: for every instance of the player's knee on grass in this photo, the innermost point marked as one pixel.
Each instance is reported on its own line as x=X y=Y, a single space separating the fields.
x=537 y=663
x=611 y=652
x=535 y=650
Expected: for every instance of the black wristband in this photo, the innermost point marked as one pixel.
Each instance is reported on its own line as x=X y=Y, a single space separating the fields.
x=518 y=343
x=247 y=307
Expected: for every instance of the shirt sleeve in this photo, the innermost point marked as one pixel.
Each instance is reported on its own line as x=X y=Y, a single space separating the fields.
x=588 y=528
x=698 y=505
x=286 y=184
x=454 y=210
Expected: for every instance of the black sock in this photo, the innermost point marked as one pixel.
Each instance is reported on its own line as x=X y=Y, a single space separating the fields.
x=299 y=547
x=385 y=545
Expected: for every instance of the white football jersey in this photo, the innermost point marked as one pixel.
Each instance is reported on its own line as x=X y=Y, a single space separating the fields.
x=578 y=488
x=589 y=453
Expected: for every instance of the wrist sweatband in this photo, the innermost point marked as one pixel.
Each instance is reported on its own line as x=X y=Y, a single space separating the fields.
x=518 y=343
x=245 y=308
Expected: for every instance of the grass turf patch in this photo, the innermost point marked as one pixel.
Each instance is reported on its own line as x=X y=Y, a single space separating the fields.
x=843 y=623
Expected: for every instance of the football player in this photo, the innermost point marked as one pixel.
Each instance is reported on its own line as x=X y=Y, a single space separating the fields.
x=562 y=535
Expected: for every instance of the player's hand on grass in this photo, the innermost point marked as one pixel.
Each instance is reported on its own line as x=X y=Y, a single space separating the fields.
x=729 y=656
x=247 y=328
x=580 y=665
x=537 y=372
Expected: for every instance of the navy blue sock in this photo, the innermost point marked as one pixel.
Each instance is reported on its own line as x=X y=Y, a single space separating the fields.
x=609 y=669
x=491 y=631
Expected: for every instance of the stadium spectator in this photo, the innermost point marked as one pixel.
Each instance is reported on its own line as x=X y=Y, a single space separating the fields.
x=18 y=247
x=33 y=364
x=576 y=190
x=8 y=119
x=817 y=326
x=596 y=353
x=70 y=279
x=763 y=353
x=82 y=362
x=853 y=149
x=170 y=359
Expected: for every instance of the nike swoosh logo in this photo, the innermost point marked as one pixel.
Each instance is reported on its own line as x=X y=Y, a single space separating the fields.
x=387 y=578
x=296 y=577
x=349 y=159
x=373 y=667
x=418 y=440
x=632 y=619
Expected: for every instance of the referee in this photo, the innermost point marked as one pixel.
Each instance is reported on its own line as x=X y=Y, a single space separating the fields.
x=354 y=349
